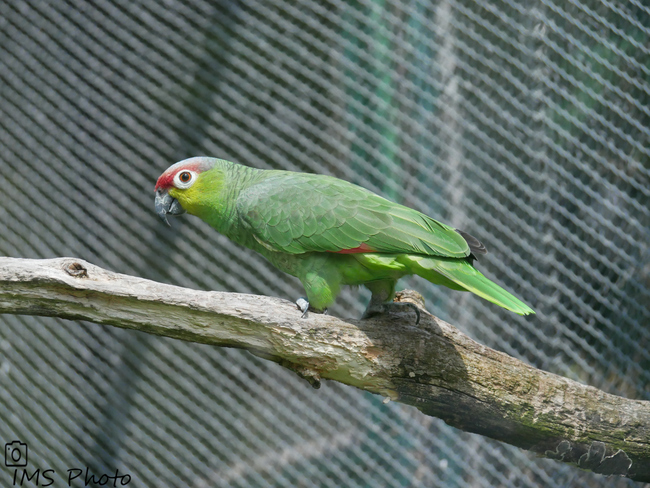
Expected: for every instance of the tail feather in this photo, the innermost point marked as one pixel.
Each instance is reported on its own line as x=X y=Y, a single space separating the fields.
x=475 y=246
x=464 y=275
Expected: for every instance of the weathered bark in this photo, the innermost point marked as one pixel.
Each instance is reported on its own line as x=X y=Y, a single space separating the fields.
x=433 y=366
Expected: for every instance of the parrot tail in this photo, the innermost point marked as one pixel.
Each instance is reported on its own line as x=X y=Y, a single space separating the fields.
x=461 y=275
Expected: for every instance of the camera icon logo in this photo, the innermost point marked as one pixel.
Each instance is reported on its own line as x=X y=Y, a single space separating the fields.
x=15 y=454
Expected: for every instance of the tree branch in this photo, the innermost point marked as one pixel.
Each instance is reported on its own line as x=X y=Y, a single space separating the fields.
x=433 y=366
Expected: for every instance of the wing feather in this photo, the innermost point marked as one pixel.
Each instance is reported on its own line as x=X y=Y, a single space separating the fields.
x=298 y=213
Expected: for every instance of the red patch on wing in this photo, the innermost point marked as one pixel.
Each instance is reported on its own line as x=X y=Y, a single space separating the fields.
x=355 y=250
x=166 y=179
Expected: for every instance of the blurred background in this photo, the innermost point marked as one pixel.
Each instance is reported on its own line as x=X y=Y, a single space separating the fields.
x=525 y=123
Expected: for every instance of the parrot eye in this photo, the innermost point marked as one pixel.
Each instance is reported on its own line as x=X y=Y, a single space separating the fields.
x=184 y=179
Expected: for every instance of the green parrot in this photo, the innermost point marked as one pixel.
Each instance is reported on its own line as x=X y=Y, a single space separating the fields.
x=327 y=232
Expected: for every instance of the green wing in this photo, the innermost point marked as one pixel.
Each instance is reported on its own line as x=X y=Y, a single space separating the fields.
x=299 y=212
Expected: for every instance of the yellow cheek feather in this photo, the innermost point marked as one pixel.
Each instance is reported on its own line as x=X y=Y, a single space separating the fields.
x=188 y=198
x=204 y=195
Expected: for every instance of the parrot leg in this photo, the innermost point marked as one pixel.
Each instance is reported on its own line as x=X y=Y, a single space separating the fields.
x=321 y=289
x=382 y=292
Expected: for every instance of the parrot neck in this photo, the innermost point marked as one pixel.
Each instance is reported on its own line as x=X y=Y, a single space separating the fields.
x=226 y=181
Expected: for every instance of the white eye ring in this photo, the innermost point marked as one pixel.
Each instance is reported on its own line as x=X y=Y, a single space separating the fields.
x=182 y=181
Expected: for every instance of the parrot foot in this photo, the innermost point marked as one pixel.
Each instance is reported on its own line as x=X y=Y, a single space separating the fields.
x=303 y=305
x=389 y=307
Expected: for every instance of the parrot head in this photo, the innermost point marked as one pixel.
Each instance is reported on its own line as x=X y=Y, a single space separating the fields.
x=181 y=186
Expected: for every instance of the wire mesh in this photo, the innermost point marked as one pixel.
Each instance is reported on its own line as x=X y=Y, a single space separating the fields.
x=525 y=123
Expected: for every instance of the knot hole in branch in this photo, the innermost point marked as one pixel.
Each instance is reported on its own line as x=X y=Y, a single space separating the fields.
x=76 y=270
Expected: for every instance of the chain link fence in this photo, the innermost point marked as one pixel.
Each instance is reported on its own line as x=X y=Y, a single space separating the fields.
x=525 y=123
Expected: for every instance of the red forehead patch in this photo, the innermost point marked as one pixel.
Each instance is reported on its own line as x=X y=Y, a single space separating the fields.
x=166 y=180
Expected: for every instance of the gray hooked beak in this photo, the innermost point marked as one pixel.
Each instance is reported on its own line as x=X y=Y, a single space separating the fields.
x=166 y=204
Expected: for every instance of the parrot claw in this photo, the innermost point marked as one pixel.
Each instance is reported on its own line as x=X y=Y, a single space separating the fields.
x=303 y=306
x=389 y=307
